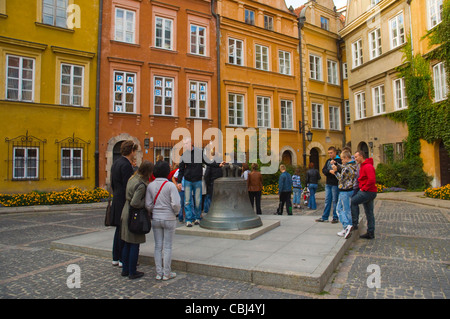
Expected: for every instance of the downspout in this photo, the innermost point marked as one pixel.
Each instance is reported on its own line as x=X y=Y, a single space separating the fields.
x=301 y=21
x=215 y=15
x=341 y=79
x=97 y=98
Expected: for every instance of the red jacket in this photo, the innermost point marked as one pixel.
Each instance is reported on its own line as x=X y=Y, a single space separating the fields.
x=366 y=177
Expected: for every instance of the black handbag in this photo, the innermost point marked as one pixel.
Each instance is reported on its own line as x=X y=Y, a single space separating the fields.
x=138 y=220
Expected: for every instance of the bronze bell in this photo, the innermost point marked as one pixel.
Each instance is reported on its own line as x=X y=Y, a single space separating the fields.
x=230 y=206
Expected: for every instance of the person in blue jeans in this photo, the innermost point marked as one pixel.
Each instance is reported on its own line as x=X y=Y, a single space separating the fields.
x=285 y=191
x=297 y=185
x=331 y=187
x=312 y=181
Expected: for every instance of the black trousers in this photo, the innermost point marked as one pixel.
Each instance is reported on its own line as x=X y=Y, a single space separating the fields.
x=285 y=198
x=255 y=197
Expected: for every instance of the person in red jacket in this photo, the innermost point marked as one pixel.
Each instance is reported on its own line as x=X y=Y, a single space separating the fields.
x=366 y=195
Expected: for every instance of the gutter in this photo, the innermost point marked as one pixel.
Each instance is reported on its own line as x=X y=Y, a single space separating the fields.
x=97 y=98
x=341 y=79
x=215 y=15
x=301 y=21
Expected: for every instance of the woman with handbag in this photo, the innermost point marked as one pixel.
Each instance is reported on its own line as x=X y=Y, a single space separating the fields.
x=163 y=202
x=135 y=197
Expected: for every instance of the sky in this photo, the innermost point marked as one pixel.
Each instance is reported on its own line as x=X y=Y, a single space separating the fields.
x=298 y=3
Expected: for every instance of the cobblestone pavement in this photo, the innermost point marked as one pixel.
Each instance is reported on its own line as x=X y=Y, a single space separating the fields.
x=411 y=249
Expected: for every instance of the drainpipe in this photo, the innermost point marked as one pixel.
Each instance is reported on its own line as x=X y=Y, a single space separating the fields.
x=341 y=78
x=219 y=110
x=301 y=21
x=97 y=98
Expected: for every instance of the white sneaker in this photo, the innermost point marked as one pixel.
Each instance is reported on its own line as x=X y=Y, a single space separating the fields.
x=188 y=224
x=341 y=233
x=348 y=231
x=171 y=276
x=115 y=263
x=158 y=277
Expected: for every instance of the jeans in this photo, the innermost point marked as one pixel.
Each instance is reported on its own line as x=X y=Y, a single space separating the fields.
x=194 y=188
x=367 y=199
x=117 y=245
x=130 y=254
x=331 y=198
x=207 y=203
x=285 y=197
x=255 y=197
x=182 y=209
x=312 y=196
x=297 y=196
x=343 y=208
x=355 y=209
x=163 y=231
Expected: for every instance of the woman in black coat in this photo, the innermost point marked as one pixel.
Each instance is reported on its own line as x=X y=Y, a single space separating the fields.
x=121 y=171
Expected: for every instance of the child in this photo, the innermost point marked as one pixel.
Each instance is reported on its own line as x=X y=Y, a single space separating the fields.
x=285 y=190
x=346 y=175
x=296 y=183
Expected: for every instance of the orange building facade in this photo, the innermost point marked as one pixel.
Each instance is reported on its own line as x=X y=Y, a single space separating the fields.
x=158 y=73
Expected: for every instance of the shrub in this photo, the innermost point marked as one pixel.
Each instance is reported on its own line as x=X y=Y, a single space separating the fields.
x=403 y=174
x=438 y=192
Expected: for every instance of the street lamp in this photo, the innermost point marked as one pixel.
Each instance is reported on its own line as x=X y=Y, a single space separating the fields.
x=301 y=128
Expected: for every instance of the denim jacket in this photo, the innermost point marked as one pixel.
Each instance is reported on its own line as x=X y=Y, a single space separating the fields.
x=285 y=183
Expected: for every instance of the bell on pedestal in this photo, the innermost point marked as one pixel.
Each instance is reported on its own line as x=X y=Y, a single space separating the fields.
x=230 y=207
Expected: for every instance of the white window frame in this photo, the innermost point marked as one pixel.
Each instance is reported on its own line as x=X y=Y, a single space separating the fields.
x=378 y=100
x=375 y=43
x=126 y=85
x=268 y=22
x=52 y=5
x=235 y=53
x=325 y=23
x=163 y=38
x=249 y=16
x=236 y=106
x=397 y=33
x=315 y=67
x=20 y=80
x=360 y=105
x=26 y=162
x=357 y=53
x=284 y=59
x=198 y=93
x=434 y=12
x=263 y=111
x=332 y=70
x=200 y=40
x=261 y=57
x=399 y=89
x=440 y=82
x=166 y=152
x=287 y=114
x=163 y=87
x=347 y=112
x=71 y=166
x=334 y=115
x=121 y=30
x=71 y=84
x=317 y=116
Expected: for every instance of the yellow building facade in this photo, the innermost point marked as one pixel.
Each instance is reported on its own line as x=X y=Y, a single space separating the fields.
x=48 y=72
x=259 y=72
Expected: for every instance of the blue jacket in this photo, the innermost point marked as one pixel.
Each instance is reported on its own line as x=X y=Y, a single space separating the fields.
x=285 y=183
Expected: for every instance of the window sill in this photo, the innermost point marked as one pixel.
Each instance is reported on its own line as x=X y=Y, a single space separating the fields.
x=40 y=24
x=125 y=43
x=164 y=50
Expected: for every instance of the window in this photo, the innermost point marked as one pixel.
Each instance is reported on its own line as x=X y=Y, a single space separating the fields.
x=262 y=57
x=19 y=78
x=317 y=115
x=378 y=100
x=397 y=31
x=324 y=23
x=71 y=163
x=163 y=33
x=198 y=40
x=374 y=2
x=332 y=72
x=125 y=26
x=197 y=99
x=334 y=118
x=249 y=16
x=235 y=109
x=54 y=12
x=235 y=49
x=399 y=151
x=163 y=96
x=287 y=114
x=71 y=85
x=375 y=43
x=124 y=92
x=388 y=153
x=357 y=53
x=268 y=22
x=347 y=112
x=344 y=71
x=435 y=8
x=263 y=111
x=25 y=163
x=315 y=67
x=400 y=94
x=440 y=82
x=360 y=104
x=285 y=62
x=164 y=152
